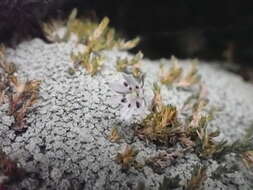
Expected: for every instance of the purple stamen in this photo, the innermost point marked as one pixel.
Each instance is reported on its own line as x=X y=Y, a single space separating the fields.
x=123 y=100
x=138 y=105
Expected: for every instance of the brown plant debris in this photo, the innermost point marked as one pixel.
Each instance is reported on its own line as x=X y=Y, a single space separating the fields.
x=175 y=75
x=114 y=136
x=89 y=58
x=92 y=62
x=127 y=157
x=126 y=45
x=86 y=31
x=162 y=125
x=208 y=147
x=9 y=170
x=92 y=36
x=172 y=75
x=3 y=81
x=157 y=103
x=195 y=105
x=197 y=180
x=51 y=29
x=247 y=158
x=2 y=89
x=163 y=160
x=6 y=71
x=191 y=77
x=25 y=95
x=205 y=144
x=21 y=95
x=130 y=65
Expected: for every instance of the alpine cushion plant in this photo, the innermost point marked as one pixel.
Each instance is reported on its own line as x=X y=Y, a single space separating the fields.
x=130 y=96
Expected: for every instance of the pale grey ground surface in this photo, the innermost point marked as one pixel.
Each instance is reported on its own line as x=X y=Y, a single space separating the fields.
x=66 y=140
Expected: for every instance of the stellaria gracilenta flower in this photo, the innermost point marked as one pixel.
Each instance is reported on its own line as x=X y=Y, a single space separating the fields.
x=130 y=95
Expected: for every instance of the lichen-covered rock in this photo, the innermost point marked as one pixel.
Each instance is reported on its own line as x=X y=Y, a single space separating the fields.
x=66 y=142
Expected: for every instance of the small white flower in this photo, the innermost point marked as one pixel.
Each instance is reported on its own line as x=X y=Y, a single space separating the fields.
x=131 y=96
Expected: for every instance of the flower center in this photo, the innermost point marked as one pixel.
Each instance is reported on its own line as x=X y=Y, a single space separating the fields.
x=135 y=93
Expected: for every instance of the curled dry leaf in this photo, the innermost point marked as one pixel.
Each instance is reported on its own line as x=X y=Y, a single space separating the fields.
x=90 y=61
x=2 y=89
x=114 y=136
x=125 y=45
x=2 y=97
x=195 y=106
x=197 y=179
x=130 y=65
x=9 y=68
x=95 y=37
x=175 y=75
x=209 y=147
x=172 y=75
x=247 y=158
x=161 y=126
x=23 y=97
x=163 y=160
x=191 y=78
x=198 y=104
x=127 y=157
x=55 y=32
x=156 y=104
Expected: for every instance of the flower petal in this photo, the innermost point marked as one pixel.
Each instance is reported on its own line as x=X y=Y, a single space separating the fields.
x=127 y=111
x=132 y=97
x=140 y=106
x=115 y=100
x=119 y=88
x=130 y=80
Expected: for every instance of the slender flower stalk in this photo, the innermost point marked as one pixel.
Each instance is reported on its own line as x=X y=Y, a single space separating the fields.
x=130 y=96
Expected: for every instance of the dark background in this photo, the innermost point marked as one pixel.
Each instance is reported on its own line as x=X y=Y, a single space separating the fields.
x=205 y=29
x=183 y=28
x=210 y=30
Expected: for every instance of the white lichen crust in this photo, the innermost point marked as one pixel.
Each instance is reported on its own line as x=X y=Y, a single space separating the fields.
x=66 y=141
